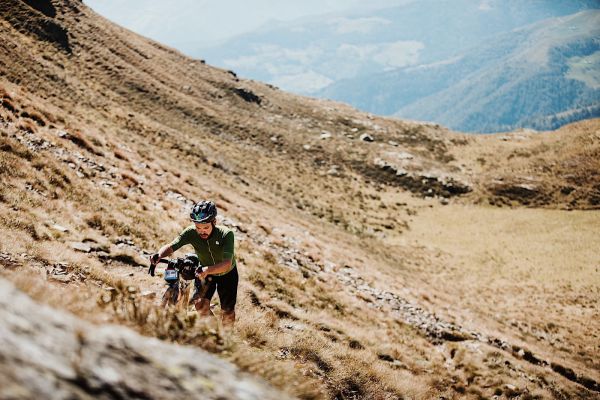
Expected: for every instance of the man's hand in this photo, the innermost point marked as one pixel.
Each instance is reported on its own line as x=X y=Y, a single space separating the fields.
x=153 y=260
x=202 y=275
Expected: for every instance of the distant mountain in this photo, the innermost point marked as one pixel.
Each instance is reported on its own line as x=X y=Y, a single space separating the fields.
x=307 y=55
x=542 y=77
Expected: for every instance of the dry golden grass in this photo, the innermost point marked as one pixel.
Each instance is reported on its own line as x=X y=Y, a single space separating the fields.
x=526 y=275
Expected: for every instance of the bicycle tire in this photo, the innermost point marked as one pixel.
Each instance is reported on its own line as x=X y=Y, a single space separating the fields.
x=170 y=296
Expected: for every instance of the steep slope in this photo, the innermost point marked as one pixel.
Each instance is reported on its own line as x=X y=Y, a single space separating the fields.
x=525 y=78
x=354 y=280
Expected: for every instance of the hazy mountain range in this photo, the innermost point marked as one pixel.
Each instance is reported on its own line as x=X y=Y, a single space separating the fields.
x=541 y=77
x=394 y=61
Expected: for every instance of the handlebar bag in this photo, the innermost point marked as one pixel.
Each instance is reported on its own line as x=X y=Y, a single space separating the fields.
x=171 y=275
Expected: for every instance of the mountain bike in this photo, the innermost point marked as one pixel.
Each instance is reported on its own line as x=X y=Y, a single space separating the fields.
x=178 y=274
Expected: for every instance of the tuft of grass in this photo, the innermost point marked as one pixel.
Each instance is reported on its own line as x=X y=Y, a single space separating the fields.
x=27 y=125
x=120 y=154
x=129 y=179
x=82 y=141
x=34 y=115
x=8 y=104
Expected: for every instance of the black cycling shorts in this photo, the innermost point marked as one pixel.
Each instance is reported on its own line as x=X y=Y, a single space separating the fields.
x=226 y=286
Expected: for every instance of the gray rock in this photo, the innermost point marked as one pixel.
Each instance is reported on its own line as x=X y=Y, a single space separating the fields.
x=64 y=278
x=50 y=354
x=59 y=228
x=366 y=138
x=86 y=248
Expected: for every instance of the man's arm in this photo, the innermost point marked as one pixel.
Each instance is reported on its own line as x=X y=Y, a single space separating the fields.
x=218 y=268
x=164 y=251
x=168 y=249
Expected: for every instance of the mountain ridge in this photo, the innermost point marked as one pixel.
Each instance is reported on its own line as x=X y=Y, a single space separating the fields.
x=347 y=57
x=468 y=79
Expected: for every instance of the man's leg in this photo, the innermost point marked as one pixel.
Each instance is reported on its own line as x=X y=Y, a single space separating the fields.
x=202 y=297
x=227 y=289
x=203 y=308
x=228 y=318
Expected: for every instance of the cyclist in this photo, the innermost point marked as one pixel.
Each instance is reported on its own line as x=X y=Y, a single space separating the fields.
x=214 y=245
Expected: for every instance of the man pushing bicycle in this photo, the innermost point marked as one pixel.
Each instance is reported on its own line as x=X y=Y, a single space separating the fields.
x=214 y=245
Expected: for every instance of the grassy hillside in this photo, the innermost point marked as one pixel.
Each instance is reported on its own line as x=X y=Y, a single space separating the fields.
x=378 y=258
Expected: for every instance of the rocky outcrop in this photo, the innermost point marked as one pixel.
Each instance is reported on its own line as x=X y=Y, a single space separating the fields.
x=425 y=184
x=523 y=191
x=45 y=353
x=37 y=18
x=247 y=95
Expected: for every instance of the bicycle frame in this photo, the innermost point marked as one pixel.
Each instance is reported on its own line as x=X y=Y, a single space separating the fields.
x=177 y=293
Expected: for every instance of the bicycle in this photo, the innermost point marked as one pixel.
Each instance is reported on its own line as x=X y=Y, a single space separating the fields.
x=178 y=274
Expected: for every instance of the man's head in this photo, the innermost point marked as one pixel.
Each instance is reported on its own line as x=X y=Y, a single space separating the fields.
x=204 y=215
x=204 y=230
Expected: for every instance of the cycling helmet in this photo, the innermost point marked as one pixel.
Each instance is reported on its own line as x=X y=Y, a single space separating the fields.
x=204 y=212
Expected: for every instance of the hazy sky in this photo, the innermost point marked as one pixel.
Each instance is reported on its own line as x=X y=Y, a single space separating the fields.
x=191 y=24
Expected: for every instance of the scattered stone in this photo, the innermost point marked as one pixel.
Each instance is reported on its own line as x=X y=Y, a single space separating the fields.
x=427 y=184
x=124 y=241
x=60 y=278
x=516 y=191
x=85 y=248
x=247 y=95
x=405 y=156
x=333 y=171
x=59 y=228
x=566 y=190
x=306 y=147
x=386 y=357
x=325 y=135
x=179 y=198
x=108 y=184
x=365 y=137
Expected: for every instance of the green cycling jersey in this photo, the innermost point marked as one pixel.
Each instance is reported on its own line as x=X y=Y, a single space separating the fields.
x=218 y=247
